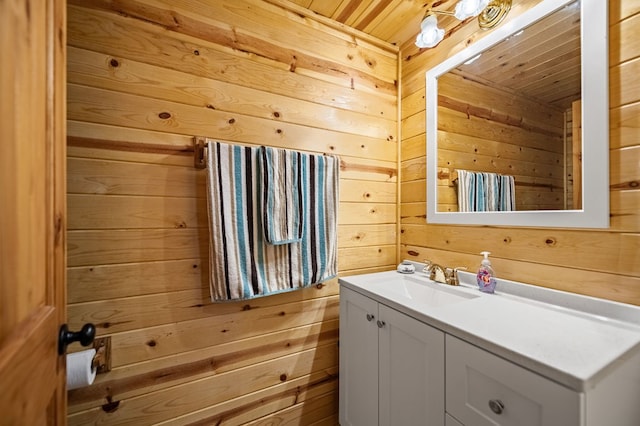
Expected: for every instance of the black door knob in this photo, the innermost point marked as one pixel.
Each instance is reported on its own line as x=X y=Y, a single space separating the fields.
x=85 y=336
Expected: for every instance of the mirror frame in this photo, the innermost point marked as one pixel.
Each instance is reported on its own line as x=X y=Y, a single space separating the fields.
x=595 y=124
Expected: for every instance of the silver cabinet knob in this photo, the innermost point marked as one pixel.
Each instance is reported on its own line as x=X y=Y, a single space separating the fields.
x=496 y=406
x=380 y=324
x=370 y=317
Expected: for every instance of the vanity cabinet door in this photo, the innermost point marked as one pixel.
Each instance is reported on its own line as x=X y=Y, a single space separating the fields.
x=411 y=371
x=450 y=421
x=483 y=389
x=391 y=366
x=358 y=382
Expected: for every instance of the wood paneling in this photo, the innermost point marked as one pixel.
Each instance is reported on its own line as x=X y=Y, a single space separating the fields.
x=185 y=398
x=143 y=79
x=601 y=263
x=154 y=45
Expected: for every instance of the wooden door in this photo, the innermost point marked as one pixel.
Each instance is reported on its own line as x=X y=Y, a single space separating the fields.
x=32 y=210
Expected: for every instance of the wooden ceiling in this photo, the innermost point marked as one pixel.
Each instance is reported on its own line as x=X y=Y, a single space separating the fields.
x=542 y=62
x=394 y=21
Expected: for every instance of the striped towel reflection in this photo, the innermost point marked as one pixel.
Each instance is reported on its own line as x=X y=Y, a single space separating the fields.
x=243 y=264
x=281 y=172
x=485 y=192
x=507 y=191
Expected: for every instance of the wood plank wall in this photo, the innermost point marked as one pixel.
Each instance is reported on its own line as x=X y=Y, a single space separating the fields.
x=477 y=126
x=602 y=263
x=143 y=78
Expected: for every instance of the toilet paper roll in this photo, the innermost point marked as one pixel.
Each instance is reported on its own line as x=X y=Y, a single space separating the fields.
x=79 y=370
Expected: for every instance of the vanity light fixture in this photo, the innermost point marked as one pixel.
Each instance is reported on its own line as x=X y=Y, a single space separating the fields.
x=490 y=13
x=468 y=8
x=494 y=13
x=430 y=35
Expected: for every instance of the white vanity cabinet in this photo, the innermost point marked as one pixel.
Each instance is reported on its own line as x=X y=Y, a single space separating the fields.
x=483 y=389
x=415 y=352
x=391 y=366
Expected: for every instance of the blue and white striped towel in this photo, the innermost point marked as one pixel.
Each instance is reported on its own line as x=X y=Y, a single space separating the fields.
x=482 y=192
x=243 y=265
x=282 y=208
x=507 y=199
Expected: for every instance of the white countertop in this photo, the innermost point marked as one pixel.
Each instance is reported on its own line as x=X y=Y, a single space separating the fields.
x=571 y=339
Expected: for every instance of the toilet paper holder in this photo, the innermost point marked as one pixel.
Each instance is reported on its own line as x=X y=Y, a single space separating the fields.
x=102 y=360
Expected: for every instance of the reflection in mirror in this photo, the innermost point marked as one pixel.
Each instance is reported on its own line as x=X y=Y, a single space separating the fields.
x=510 y=112
x=505 y=129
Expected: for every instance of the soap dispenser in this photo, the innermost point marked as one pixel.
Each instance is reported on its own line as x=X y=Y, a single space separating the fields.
x=486 y=276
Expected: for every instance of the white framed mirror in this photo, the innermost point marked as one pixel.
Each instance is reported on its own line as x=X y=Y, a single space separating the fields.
x=527 y=119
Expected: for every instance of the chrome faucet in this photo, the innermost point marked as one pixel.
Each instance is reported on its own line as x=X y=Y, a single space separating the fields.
x=442 y=275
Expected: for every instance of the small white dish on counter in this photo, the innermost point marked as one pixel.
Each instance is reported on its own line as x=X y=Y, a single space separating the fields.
x=406 y=267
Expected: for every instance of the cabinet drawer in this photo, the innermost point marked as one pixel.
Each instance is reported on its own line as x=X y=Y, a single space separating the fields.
x=483 y=389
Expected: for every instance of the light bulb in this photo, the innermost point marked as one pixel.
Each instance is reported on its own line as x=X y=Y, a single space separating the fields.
x=468 y=8
x=430 y=35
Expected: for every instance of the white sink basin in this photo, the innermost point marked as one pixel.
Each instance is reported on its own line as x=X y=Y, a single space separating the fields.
x=412 y=289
